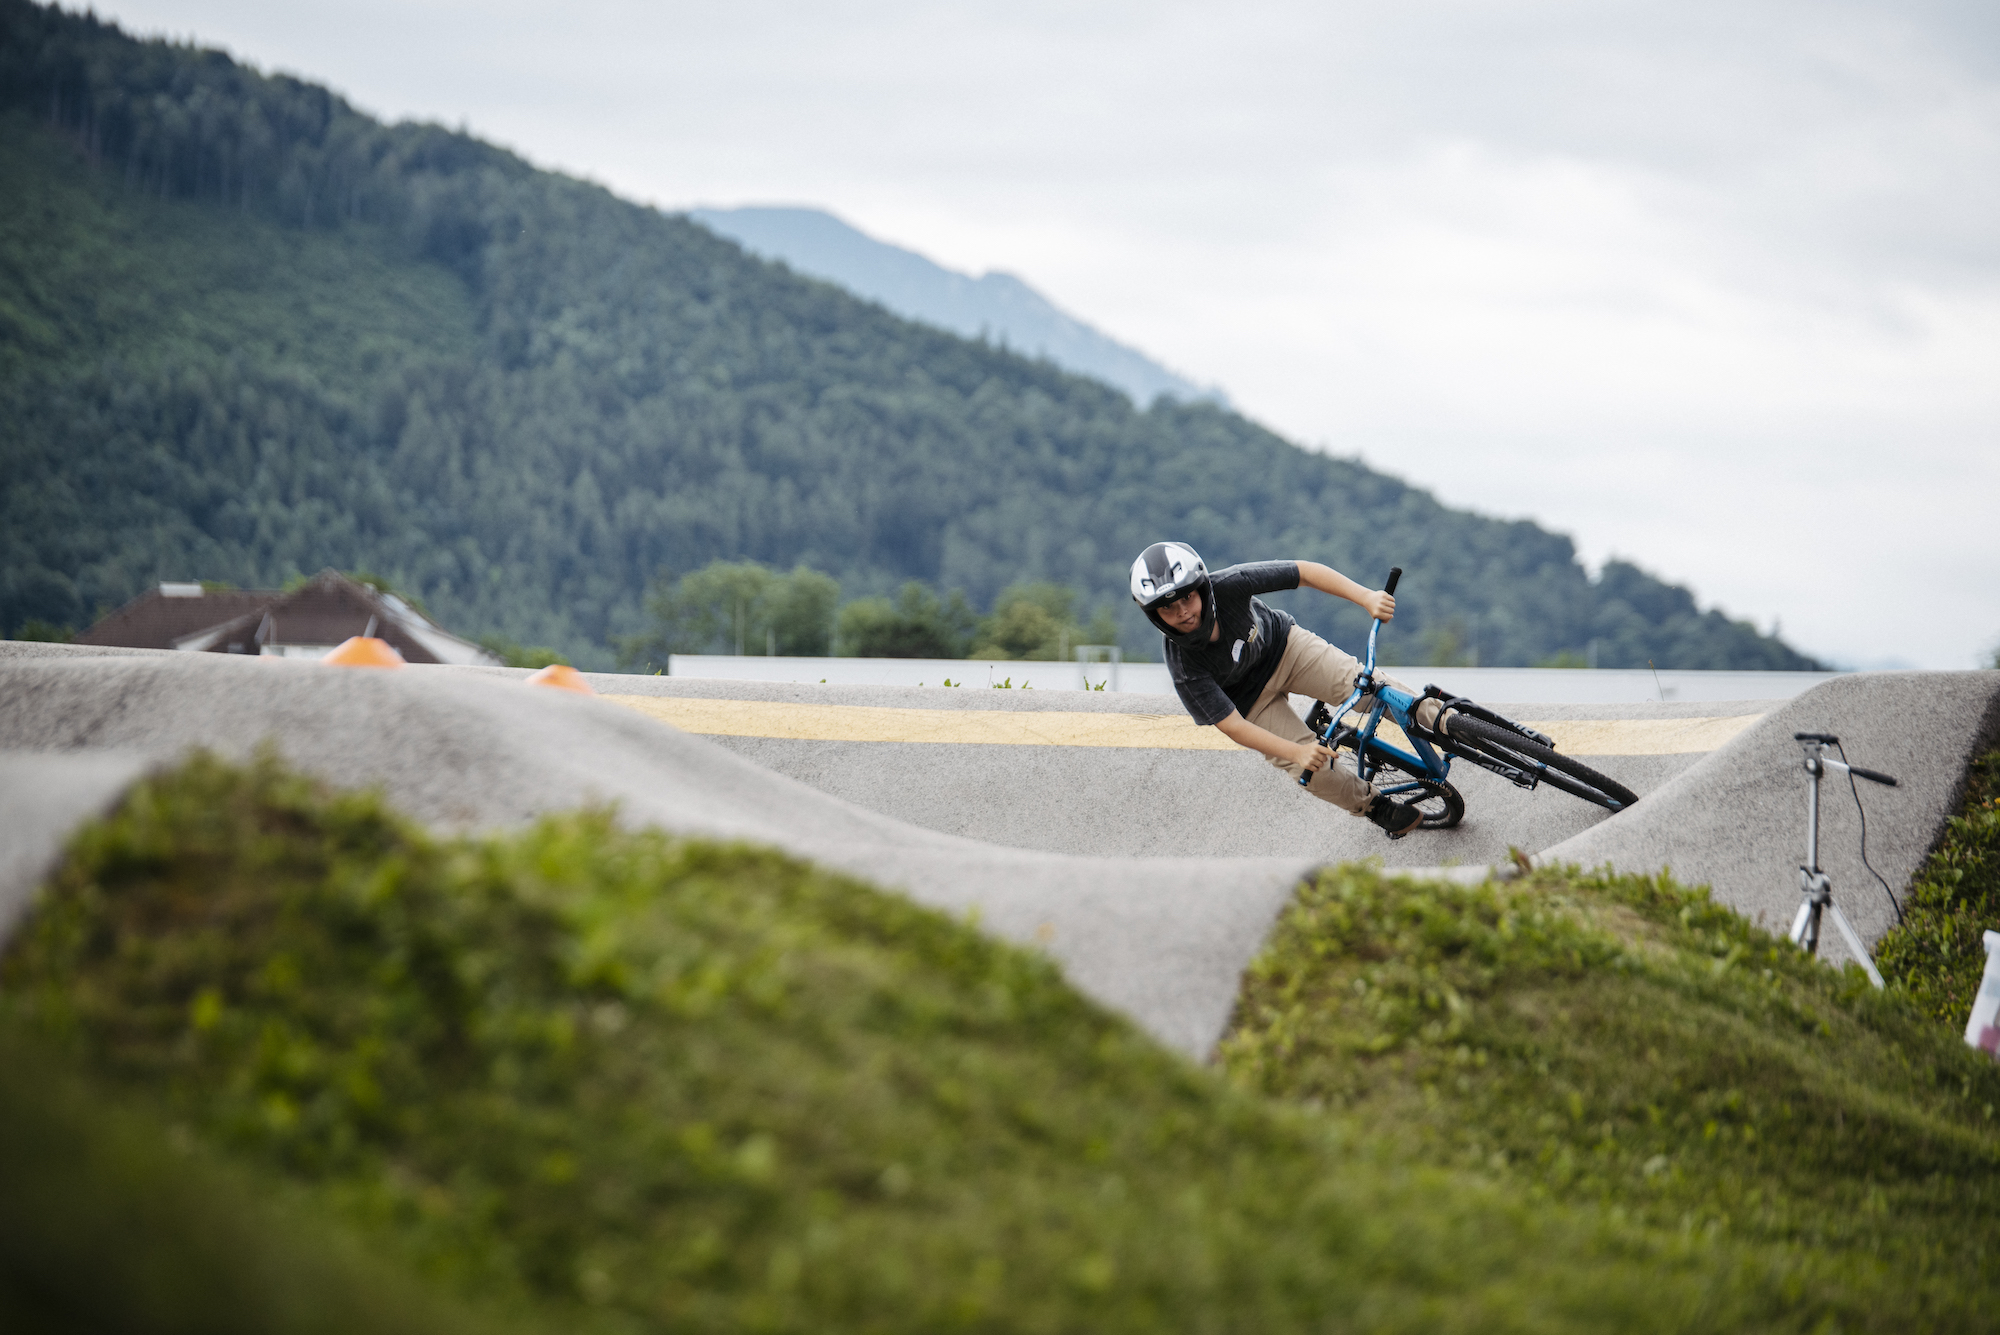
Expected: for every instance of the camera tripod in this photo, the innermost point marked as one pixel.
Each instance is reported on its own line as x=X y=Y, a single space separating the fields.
x=1813 y=882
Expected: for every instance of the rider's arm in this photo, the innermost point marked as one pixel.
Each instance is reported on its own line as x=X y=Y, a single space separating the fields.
x=1326 y=579
x=1243 y=732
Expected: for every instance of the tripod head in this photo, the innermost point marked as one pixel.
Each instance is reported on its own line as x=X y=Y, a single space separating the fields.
x=1817 y=763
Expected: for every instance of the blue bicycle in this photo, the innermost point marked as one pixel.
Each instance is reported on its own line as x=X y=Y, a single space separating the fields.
x=1421 y=775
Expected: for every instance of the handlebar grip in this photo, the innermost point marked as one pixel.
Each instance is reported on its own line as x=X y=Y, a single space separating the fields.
x=1873 y=776
x=1395 y=573
x=1826 y=737
x=1319 y=739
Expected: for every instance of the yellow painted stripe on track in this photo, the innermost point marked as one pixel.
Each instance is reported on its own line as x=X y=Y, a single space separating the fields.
x=1171 y=732
x=860 y=723
x=1643 y=736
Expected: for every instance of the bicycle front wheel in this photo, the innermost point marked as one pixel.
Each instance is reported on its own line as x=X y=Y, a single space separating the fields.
x=1439 y=803
x=1556 y=770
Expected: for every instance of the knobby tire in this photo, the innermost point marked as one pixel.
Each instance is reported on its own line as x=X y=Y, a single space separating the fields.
x=1440 y=803
x=1571 y=776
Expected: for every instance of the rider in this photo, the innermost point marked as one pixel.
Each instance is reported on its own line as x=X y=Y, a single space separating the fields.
x=1235 y=661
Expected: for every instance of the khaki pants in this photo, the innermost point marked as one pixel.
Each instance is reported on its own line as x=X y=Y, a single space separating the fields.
x=1311 y=666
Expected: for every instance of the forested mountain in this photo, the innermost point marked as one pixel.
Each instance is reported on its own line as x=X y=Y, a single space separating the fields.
x=247 y=333
x=994 y=306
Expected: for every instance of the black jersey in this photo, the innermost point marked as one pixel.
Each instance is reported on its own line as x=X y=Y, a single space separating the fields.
x=1229 y=672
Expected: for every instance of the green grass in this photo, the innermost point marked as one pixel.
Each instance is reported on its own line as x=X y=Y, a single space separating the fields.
x=1937 y=955
x=588 y=1078
x=107 y=1225
x=1625 y=1042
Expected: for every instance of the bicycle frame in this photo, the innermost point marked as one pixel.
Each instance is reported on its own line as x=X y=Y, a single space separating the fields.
x=1398 y=705
x=1429 y=762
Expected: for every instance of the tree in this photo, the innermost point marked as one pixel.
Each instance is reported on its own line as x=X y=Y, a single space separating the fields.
x=801 y=612
x=33 y=596
x=1445 y=646
x=1038 y=621
x=521 y=655
x=44 y=631
x=918 y=624
x=738 y=607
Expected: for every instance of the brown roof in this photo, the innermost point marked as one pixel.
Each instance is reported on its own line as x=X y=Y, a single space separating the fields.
x=327 y=610
x=155 y=620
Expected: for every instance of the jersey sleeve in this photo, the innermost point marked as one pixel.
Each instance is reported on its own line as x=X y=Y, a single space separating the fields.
x=1266 y=576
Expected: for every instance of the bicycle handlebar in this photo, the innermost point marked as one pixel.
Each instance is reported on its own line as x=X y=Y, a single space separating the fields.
x=1873 y=776
x=1367 y=672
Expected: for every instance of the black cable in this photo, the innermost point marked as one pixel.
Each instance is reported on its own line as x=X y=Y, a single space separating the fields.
x=1852 y=788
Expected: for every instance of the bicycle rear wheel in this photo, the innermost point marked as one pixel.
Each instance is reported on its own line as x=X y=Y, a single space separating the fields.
x=1556 y=770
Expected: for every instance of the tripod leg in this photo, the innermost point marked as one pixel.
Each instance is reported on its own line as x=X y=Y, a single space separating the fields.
x=1854 y=944
x=1805 y=928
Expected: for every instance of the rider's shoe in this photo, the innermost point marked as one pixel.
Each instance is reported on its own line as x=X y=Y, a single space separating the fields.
x=1395 y=819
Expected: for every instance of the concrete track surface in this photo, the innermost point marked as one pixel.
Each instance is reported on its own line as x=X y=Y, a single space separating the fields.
x=1106 y=830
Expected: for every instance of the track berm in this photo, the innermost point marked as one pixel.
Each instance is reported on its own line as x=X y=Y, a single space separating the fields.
x=1104 y=829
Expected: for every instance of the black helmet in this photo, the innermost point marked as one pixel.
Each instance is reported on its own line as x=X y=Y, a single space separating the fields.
x=1166 y=571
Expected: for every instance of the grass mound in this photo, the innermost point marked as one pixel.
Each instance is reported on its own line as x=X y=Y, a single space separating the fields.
x=1936 y=955
x=1624 y=1041
x=103 y=1228
x=607 y=1081
x=630 y=1083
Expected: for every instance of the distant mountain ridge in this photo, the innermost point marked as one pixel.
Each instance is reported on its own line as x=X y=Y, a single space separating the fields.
x=995 y=306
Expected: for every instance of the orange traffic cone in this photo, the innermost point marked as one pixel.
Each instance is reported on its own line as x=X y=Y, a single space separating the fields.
x=364 y=651
x=563 y=677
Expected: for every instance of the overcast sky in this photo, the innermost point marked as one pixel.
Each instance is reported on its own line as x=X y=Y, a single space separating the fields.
x=1710 y=286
